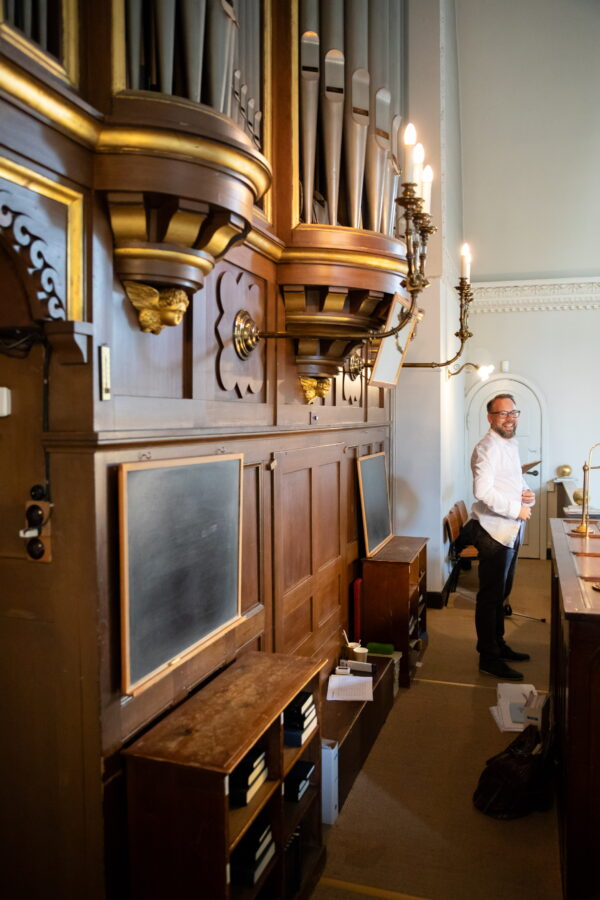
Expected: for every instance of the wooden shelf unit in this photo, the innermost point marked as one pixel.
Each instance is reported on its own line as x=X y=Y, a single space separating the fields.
x=394 y=607
x=182 y=828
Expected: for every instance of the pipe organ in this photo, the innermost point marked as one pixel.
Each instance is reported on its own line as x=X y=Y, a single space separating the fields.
x=39 y=20
x=351 y=58
x=208 y=51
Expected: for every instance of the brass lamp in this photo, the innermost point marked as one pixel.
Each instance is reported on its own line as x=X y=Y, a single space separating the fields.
x=584 y=526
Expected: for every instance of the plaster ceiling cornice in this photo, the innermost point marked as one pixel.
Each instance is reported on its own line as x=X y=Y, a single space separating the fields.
x=545 y=295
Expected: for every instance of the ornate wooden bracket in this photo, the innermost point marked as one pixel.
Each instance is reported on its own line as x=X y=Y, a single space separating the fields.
x=166 y=246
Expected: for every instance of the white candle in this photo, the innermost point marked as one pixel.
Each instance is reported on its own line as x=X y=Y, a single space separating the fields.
x=465 y=262
x=426 y=188
x=418 y=159
x=410 y=139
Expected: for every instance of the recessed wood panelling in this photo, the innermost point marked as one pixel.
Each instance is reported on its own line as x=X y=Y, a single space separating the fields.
x=329 y=596
x=251 y=538
x=150 y=365
x=28 y=705
x=327 y=498
x=307 y=541
x=293 y=526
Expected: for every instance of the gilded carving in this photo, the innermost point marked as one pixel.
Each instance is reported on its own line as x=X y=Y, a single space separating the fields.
x=315 y=388
x=156 y=308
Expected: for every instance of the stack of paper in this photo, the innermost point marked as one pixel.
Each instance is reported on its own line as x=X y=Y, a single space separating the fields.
x=511 y=699
x=350 y=687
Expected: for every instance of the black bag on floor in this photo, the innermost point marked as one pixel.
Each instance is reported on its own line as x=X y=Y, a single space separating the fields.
x=518 y=780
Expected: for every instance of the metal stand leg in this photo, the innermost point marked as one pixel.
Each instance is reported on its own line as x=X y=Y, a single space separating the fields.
x=508 y=611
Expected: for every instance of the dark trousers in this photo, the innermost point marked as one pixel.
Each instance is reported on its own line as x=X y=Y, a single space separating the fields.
x=497 y=565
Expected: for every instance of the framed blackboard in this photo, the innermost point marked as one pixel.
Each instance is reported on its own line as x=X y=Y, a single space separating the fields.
x=180 y=562
x=373 y=487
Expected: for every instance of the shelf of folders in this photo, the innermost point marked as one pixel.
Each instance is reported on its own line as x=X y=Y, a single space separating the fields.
x=299 y=720
x=254 y=853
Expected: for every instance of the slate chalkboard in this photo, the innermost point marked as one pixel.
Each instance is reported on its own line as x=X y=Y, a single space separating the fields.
x=180 y=528
x=373 y=485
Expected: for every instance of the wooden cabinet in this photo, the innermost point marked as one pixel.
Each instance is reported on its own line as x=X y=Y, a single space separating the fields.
x=185 y=834
x=394 y=608
x=575 y=688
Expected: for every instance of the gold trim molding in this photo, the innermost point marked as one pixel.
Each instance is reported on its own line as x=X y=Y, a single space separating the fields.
x=333 y=256
x=39 y=184
x=43 y=101
x=195 y=258
x=159 y=143
x=107 y=139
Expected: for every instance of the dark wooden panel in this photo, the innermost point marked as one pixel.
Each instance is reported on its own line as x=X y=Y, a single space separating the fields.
x=251 y=538
x=328 y=593
x=294 y=527
x=29 y=807
x=160 y=359
x=21 y=453
x=327 y=521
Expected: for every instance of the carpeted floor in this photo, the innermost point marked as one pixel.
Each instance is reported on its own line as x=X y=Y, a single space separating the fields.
x=408 y=830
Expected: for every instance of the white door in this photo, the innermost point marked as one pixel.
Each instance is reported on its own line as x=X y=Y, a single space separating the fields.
x=529 y=436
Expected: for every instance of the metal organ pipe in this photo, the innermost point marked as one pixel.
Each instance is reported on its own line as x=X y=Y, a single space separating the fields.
x=220 y=46
x=378 y=137
x=356 y=114
x=194 y=17
x=134 y=31
x=165 y=21
x=252 y=30
x=309 y=97
x=332 y=97
x=394 y=160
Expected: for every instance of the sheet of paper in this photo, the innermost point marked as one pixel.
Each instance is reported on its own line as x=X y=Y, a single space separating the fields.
x=509 y=693
x=350 y=687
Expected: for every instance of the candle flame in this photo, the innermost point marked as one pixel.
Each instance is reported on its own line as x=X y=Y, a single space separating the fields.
x=410 y=135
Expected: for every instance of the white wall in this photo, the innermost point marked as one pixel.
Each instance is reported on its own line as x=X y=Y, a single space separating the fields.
x=428 y=409
x=529 y=77
x=549 y=332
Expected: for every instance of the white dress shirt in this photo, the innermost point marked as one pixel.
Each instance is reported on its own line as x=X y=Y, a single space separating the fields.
x=497 y=486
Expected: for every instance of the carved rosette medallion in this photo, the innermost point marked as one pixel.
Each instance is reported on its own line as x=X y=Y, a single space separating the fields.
x=234 y=374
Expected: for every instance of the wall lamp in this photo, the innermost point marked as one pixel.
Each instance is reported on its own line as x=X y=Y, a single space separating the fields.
x=484 y=372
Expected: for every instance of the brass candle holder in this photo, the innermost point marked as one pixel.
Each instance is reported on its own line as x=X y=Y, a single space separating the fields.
x=417 y=229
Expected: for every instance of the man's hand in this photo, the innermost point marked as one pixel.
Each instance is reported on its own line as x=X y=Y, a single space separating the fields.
x=528 y=498
x=525 y=512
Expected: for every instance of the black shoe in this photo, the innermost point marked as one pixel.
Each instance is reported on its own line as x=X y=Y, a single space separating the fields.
x=513 y=655
x=499 y=669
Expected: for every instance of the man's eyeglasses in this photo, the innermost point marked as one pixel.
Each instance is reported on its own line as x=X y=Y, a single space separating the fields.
x=510 y=413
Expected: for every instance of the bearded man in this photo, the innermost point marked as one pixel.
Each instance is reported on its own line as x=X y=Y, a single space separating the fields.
x=502 y=505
